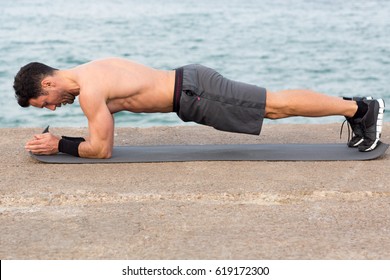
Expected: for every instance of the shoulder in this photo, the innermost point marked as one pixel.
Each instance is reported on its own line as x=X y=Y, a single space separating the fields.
x=92 y=103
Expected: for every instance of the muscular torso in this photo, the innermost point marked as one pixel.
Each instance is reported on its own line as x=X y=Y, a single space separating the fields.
x=126 y=85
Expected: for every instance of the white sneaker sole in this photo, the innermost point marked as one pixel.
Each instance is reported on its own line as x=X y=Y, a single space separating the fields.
x=379 y=125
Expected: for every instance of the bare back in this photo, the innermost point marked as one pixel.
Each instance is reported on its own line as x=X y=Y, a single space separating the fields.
x=126 y=85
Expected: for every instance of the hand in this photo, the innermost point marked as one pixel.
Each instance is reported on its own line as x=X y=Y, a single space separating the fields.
x=43 y=144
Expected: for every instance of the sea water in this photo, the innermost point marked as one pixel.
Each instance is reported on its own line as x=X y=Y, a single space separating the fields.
x=340 y=48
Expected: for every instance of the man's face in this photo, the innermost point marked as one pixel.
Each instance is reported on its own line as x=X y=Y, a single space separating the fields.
x=52 y=99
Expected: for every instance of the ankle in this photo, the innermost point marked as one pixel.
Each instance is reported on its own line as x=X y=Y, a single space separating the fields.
x=361 y=110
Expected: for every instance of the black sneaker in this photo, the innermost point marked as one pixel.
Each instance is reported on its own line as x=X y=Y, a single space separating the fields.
x=371 y=124
x=356 y=137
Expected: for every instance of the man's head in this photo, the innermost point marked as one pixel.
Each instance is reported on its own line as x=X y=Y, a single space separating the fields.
x=36 y=84
x=28 y=82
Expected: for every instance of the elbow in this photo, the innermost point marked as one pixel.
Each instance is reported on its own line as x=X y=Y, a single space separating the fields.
x=100 y=151
x=105 y=154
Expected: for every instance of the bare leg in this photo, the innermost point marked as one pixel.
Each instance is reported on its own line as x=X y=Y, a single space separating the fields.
x=306 y=103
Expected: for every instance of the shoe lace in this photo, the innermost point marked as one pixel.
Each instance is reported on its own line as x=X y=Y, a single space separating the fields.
x=350 y=131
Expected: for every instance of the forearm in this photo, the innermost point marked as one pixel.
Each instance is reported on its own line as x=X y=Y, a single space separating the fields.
x=88 y=150
x=75 y=146
x=70 y=145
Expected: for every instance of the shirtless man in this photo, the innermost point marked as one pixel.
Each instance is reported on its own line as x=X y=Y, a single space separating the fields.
x=194 y=92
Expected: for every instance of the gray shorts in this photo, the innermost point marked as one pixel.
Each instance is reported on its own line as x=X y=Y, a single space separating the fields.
x=204 y=96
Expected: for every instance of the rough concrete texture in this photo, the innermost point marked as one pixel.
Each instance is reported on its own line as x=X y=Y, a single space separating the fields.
x=194 y=210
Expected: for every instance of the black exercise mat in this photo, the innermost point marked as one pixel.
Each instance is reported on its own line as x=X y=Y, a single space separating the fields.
x=236 y=152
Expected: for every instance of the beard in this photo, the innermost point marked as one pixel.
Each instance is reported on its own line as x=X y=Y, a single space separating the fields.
x=68 y=98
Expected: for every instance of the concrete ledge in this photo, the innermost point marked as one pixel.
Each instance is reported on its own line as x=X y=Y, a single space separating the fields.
x=194 y=210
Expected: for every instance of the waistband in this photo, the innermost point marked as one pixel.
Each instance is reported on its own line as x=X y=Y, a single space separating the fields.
x=178 y=88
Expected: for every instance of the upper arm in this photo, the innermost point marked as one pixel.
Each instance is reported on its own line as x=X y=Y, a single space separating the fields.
x=100 y=124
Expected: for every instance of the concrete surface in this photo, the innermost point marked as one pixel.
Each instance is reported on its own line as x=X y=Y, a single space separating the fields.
x=194 y=210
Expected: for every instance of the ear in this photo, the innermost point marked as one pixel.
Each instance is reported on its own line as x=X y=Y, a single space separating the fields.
x=47 y=82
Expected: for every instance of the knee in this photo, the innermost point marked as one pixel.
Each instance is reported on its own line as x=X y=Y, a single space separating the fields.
x=275 y=106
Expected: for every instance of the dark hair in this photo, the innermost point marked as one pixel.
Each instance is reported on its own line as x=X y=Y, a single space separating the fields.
x=27 y=83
